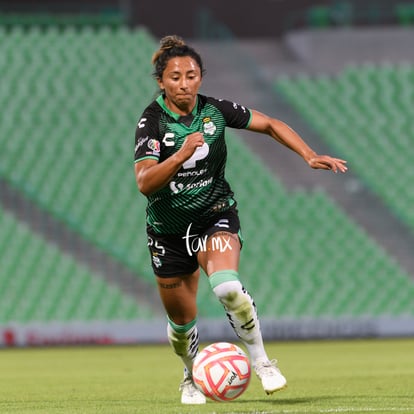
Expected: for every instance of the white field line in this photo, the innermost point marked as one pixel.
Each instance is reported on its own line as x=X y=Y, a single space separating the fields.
x=331 y=410
x=367 y=410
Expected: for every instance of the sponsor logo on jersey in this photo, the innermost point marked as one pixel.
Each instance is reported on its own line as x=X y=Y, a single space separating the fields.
x=140 y=142
x=141 y=123
x=177 y=187
x=168 y=139
x=199 y=184
x=199 y=154
x=192 y=173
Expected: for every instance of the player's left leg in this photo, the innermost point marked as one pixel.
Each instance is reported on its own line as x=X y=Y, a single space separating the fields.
x=220 y=262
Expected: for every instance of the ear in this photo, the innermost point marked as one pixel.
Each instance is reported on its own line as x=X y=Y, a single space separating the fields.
x=160 y=84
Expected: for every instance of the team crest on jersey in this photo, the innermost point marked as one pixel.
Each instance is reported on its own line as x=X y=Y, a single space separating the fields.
x=209 y=128
x=154 y=145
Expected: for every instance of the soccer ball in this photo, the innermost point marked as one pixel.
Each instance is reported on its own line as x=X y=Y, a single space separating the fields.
x=221 y=371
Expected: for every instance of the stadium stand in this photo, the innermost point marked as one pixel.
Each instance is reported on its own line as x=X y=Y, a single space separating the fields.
x=303 y=257
x=365 y=113
x=71 y=99
x=62 y=92
x=40 y=283
x=112 y=18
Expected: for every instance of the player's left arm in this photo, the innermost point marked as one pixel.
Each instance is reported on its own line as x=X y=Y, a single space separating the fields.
x=286 y=136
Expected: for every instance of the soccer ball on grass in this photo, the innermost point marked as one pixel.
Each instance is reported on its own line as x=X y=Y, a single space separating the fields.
x=221 y=371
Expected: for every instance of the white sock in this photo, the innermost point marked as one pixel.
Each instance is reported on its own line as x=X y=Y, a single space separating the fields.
x=241 y=312
x=184 y=340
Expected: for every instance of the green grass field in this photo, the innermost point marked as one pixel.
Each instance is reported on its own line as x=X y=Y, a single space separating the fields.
x=369 y=376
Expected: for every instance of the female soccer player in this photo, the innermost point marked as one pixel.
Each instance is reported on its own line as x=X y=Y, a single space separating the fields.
x=192 y=219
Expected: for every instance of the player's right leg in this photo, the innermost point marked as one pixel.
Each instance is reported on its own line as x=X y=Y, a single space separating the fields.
x=178 y=295
x=177 y=275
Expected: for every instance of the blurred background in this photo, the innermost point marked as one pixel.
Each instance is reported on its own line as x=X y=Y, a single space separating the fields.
x=325 y=255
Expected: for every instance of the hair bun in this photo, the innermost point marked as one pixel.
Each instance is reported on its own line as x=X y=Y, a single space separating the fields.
x=168 y=42
x=172 y=46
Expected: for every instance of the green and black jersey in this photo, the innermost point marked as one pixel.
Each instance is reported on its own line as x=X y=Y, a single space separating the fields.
x=199 y=189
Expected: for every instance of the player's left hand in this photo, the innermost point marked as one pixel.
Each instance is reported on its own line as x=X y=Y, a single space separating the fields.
x=325 y=162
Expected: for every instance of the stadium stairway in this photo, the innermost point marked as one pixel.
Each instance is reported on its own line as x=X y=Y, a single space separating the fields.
x=101 y=265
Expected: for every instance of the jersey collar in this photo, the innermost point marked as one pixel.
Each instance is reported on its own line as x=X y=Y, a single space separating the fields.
x=161 y=103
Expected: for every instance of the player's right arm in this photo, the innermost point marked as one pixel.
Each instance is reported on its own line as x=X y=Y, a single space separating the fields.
x=152 y=175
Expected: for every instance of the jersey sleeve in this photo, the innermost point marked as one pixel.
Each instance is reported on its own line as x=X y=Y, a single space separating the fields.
x=236 y=116
x=147 y=144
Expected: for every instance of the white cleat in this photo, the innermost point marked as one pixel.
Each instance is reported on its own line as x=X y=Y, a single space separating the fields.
x=270 y=375
x=190 y=394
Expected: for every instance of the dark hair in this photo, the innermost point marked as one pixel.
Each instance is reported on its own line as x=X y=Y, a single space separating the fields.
x=173 y=46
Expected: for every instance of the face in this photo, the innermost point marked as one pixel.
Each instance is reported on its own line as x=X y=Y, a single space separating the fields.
x=180 y=82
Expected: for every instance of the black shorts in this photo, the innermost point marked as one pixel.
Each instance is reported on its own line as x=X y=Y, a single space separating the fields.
x=175 y=255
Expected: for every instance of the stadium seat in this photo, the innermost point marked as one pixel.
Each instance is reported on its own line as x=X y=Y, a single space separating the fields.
x=318 y=17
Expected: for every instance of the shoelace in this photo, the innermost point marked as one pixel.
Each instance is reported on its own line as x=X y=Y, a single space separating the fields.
x=186 y=381
x=267 y=367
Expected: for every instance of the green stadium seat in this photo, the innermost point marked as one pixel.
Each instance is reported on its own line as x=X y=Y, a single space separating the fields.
x=319 y=16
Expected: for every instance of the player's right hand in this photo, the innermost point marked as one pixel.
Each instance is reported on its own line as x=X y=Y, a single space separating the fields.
x=190 y=145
